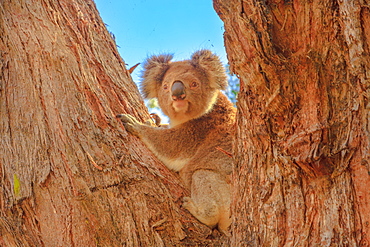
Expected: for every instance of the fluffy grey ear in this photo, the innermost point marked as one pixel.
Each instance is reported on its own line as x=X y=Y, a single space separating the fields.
x=212 y=66
x=154 y=69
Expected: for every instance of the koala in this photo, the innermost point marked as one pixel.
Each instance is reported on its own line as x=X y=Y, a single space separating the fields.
x=197 y=143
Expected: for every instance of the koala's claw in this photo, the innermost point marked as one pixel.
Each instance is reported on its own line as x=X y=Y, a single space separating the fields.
x=188 y=203
x=130 y=123
x=126 y=118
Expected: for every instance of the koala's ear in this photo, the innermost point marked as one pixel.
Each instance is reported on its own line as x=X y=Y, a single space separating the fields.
x=212 y=67
x=154 y=69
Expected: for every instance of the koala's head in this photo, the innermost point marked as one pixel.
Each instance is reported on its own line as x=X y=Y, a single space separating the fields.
x=185 y=89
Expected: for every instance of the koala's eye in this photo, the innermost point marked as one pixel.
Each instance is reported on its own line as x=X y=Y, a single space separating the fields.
x=193 y=84
x=165 y=87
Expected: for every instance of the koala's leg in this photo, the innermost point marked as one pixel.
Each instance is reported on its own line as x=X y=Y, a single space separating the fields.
x=210 y=199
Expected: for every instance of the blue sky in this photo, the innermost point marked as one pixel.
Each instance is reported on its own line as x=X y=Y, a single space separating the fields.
x=147 y=27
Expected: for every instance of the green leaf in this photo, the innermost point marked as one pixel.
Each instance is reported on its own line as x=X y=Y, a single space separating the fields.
x=152 y=104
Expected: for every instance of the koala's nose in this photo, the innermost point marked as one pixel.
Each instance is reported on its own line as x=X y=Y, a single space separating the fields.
x=178 y=91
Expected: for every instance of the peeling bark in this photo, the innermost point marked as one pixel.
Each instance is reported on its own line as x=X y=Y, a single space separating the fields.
x=302 y=155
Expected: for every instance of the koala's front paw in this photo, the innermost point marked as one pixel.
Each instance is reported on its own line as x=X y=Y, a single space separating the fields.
x=130 y=123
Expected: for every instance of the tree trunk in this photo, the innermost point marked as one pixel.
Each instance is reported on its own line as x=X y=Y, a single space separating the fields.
x=302 y=147
x=70 y=175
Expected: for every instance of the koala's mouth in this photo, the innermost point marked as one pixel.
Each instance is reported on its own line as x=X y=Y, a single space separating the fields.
x=180 y=105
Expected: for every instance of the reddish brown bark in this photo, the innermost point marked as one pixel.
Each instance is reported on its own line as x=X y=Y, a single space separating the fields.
x=70 y=175
x=302 y=149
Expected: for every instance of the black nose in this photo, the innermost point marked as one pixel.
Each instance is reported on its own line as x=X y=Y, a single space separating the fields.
x=178 y=91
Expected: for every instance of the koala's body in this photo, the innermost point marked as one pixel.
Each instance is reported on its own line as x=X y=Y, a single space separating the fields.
x=198 y=142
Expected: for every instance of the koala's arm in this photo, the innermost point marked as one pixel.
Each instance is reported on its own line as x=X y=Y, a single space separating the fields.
x=168 y=144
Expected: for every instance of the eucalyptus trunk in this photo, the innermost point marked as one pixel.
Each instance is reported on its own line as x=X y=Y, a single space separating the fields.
x=302 y=158
x=70 y=175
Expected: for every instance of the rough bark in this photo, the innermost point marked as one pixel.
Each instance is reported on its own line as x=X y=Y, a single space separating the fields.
x=70 y=175
x=302 y=147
